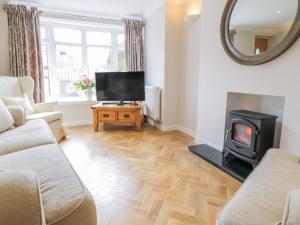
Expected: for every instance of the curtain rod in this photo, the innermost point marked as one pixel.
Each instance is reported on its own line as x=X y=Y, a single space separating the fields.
x=83 y=16
x=76 y=15
x=64 y=15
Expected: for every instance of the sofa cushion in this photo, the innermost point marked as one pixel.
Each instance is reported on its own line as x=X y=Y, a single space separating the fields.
x=7 y=120
x=65 y=199
x=261 y=199
x=18 y=114
x=20 y=198
x=33 y=133
x=47 y=116
x=22 y=101
x=292 y=209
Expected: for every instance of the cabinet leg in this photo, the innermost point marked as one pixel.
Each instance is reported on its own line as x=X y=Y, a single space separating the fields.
x=95 y=117
x=139 y=124
x=96 y=124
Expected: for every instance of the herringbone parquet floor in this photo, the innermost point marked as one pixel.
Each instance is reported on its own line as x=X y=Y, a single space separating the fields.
x=147 y=178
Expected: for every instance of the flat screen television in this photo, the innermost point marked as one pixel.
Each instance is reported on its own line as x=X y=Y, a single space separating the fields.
x=120 y=86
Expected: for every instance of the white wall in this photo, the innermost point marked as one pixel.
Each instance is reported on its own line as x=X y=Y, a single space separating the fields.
x=219 y=75
x=190 y=57
x=155 y=48
x=77 y=113
x=273 y=41
x=179 y=61
x=172 y=66
x=4 y=56
x=242 y=40
x=162 y=43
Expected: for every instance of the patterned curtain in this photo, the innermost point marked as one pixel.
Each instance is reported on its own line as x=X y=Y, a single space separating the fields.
x=134 y=45
x=25 y=46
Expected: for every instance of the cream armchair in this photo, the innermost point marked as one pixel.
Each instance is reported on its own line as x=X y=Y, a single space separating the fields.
x=18 y=86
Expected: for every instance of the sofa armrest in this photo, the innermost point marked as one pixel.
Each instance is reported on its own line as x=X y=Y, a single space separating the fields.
x=20 y=199
x=18 y=113
x=45 y=107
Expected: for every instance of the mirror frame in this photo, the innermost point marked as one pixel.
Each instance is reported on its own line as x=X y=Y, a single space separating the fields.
x=265 y=57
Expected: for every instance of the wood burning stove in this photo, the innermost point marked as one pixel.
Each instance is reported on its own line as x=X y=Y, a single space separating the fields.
x=250 y=135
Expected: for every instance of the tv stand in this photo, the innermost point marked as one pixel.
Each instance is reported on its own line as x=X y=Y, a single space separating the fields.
x=125 y=114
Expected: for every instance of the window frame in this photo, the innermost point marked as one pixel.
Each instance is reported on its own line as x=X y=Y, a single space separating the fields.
x=51 y=44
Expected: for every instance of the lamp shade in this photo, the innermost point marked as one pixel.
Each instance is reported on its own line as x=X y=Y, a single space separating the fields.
x=192 y=18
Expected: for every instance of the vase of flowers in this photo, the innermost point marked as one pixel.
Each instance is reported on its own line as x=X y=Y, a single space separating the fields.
x=86 y=85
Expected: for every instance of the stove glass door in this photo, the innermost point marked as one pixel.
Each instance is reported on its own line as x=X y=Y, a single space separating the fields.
x=242 y=134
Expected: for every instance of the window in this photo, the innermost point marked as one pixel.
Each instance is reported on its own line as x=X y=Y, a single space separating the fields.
x=67 y=35
x=70 y=51
x=98 y=38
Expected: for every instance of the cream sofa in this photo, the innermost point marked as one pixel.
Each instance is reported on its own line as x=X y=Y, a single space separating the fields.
x=17 y=86
x=262 y=198
x=65 y=200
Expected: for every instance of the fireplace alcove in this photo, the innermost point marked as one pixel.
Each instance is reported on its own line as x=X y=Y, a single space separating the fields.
x=267 y=104
x=272 y=105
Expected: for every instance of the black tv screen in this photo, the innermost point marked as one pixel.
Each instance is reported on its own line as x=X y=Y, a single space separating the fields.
x=120 y=86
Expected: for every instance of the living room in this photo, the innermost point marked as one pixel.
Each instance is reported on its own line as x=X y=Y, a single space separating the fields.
x=149 y=112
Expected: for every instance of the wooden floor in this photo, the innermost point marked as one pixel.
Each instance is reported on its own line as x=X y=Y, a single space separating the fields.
x=147 y=178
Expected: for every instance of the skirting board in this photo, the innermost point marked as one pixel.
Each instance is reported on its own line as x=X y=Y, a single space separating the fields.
x=201 y=141
x=187 y=131
x=179 y=128
x=162 y=128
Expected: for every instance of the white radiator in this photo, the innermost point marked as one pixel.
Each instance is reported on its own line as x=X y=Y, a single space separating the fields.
x=153 y=102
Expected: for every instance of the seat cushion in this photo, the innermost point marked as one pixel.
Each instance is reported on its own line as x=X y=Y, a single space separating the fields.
x=22 y=101
x=33 y=133
x=20 y=198
x=18 y=114
x=47 y=116
x=65 y=199
x=261 y=199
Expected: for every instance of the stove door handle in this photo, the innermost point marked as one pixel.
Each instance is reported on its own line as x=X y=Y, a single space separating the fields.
x=229 y=131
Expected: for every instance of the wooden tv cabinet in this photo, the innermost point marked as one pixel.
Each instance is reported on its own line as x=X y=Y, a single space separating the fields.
x=117 y=114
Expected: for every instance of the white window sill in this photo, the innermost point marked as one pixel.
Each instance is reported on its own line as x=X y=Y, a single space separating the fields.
x=75 y=101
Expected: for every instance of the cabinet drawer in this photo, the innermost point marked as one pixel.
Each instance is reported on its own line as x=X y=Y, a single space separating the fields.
x=106 y=116
x=127 y=116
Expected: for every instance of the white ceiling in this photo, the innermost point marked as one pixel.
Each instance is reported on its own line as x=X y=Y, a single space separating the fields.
x=263 y=12
x=118 y=8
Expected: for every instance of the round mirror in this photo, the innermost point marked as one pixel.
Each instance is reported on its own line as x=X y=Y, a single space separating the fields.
x=257 y=31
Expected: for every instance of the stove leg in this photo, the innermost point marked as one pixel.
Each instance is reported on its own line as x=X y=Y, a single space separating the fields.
x=226 y=153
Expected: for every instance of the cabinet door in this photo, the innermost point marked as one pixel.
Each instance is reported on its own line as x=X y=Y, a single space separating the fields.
x=106 y=116
x=127 y=116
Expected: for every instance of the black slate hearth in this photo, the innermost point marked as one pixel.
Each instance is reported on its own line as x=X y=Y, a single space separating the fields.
x=232 y=166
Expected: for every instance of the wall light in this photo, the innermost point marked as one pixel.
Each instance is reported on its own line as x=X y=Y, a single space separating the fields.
x=192 y=18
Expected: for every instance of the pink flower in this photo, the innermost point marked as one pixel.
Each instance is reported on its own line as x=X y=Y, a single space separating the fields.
x=87 y=81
